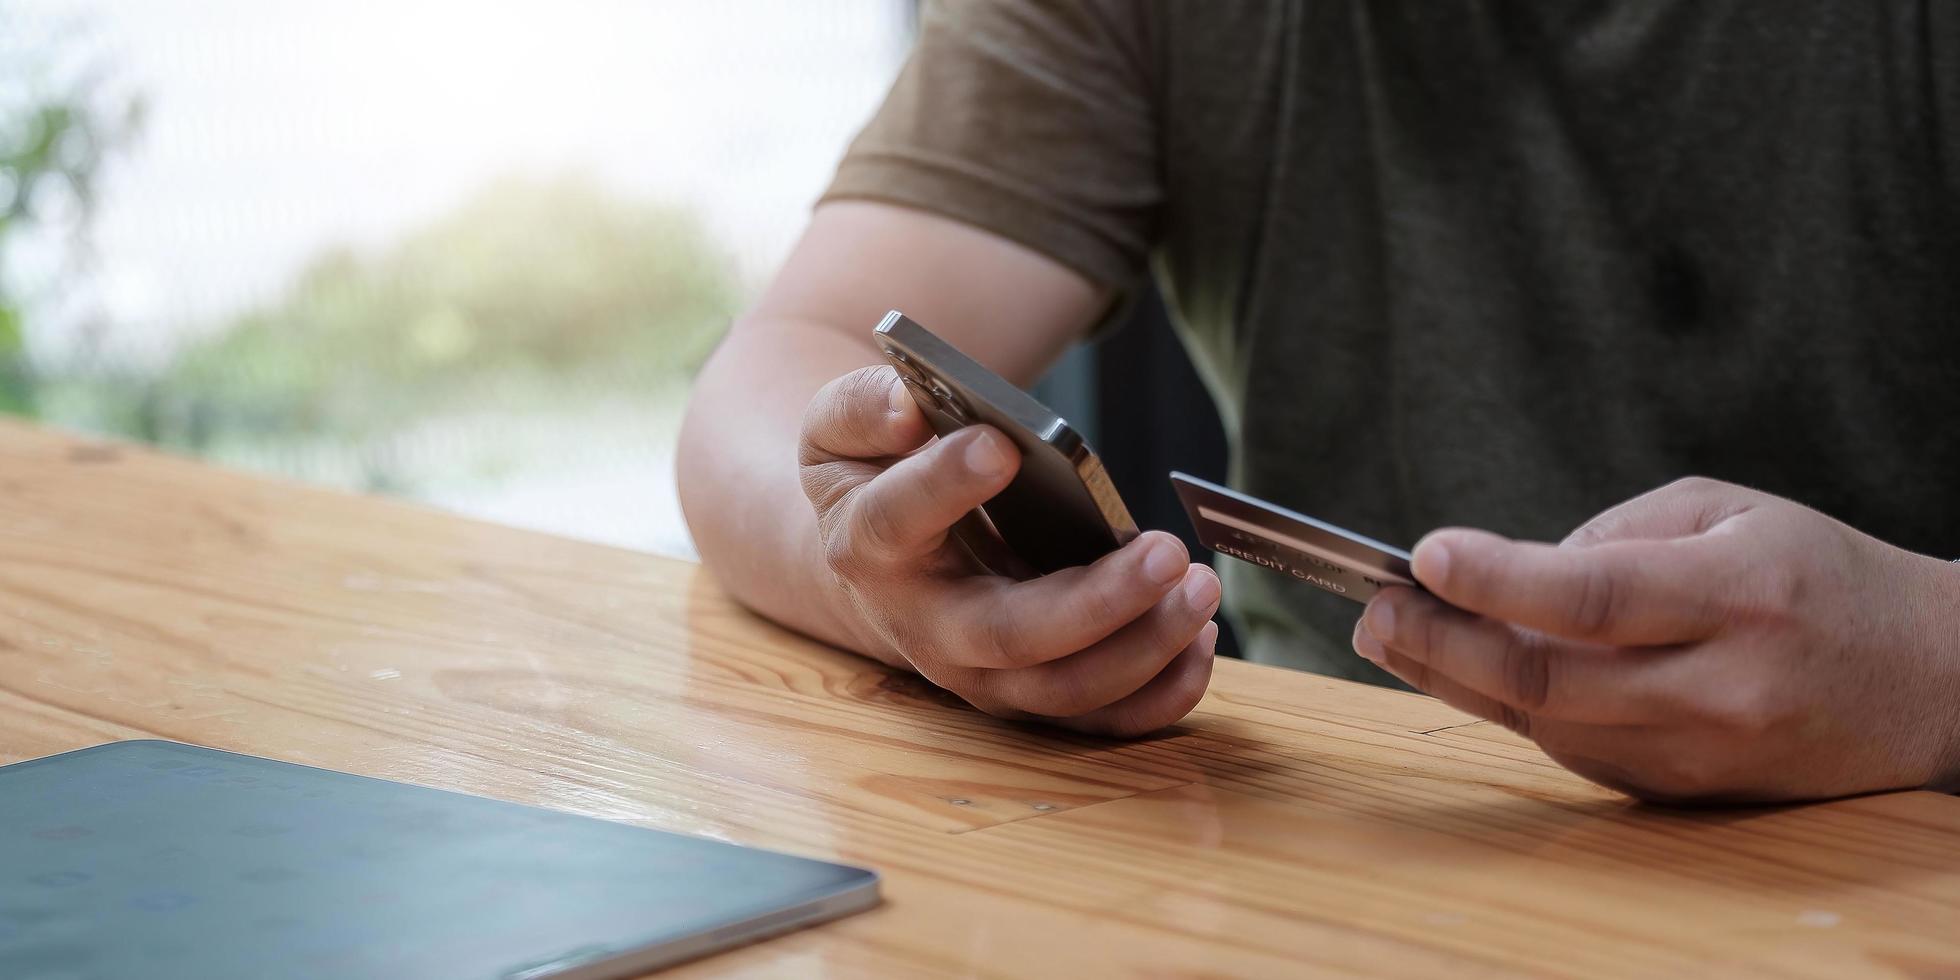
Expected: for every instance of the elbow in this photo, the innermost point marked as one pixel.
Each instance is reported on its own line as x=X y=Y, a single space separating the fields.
x=694 y=479
x=710 y=488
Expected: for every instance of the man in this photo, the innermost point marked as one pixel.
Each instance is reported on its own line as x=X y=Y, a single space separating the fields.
x=1495 y=265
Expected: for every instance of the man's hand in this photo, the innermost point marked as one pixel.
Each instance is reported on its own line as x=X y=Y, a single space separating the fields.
x=1120 y=647
x=1700 y=643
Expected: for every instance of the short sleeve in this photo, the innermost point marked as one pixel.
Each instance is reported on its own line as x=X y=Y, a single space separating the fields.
x=1031 y=119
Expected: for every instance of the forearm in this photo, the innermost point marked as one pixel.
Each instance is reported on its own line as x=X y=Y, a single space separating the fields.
x=1940 y=611
x=738 y=477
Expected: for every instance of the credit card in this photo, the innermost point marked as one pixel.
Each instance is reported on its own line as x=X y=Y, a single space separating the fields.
x=1272 y=537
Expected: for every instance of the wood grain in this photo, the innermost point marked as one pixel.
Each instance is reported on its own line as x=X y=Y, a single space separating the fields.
x=1292 y=825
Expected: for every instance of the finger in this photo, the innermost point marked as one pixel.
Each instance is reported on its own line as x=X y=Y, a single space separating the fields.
x=1535 y=674
x=1623 y=592
x=1120 y=664
x=1004 y=624
x=905 y=512
x=853 y=425
x=1418 y=675
x=1681 y=509
x=1160 y=703
x=865 y=415
x=1628 y=761
x=1677 y=767
x=976 y=533
x=1613 y=756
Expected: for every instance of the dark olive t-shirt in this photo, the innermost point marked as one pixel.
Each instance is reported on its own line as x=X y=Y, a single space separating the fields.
x=1500 y=264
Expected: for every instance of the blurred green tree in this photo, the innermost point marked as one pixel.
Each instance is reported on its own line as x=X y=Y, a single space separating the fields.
x=532 y=295
x=58 y=127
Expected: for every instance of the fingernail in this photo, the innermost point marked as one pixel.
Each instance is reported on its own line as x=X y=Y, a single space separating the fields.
x=1369 y=648
x=1201 y=588
x=1380 y=618
x=1164 y=562
x=984 y=456
x=1208 y=639
x=1432 y=563
x=899 y=397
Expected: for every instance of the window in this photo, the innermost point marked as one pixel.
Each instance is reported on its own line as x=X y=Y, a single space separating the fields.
x=466 y=253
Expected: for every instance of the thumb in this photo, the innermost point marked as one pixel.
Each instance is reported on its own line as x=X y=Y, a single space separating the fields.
x=852 y=429
x=1681 y=509
x=865 y=415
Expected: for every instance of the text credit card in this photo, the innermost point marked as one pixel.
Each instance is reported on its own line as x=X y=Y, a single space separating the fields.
x=1270 y=536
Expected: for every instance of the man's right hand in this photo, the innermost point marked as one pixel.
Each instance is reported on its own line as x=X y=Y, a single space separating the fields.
x=1120 y=647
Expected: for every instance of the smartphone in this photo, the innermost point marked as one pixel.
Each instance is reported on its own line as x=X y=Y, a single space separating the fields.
x=1061 y=510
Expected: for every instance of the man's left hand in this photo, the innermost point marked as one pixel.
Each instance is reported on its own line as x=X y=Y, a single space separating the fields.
x=1703 y=642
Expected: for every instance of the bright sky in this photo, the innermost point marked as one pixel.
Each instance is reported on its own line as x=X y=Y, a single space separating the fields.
x=279 y=128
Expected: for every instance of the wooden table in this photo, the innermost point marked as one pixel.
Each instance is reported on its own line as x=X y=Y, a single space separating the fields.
x=1292 y=825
